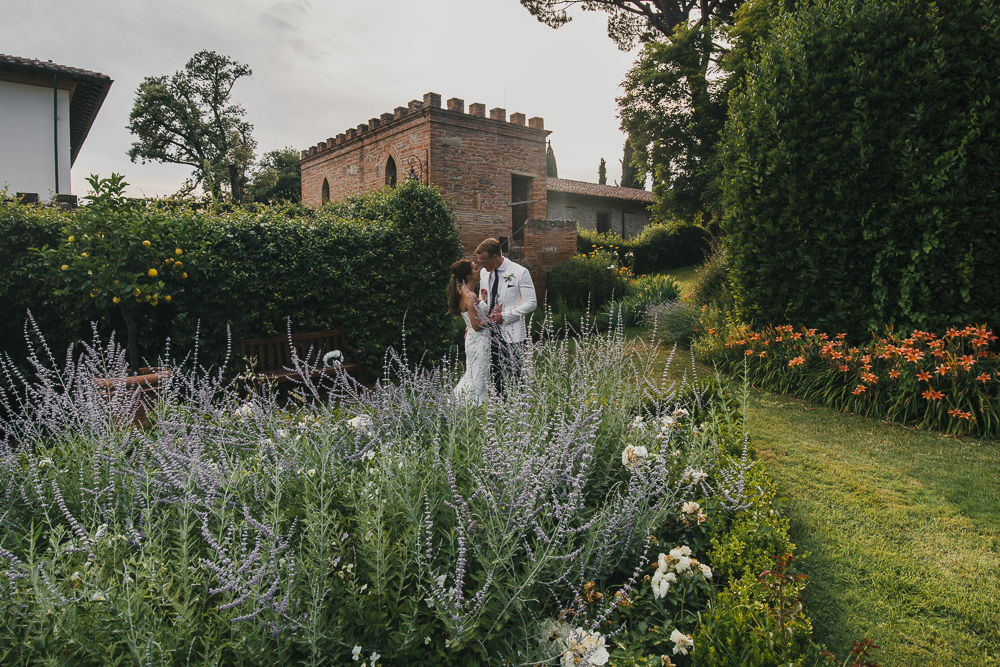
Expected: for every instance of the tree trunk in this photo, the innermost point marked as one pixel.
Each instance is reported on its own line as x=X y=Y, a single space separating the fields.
x=234 y=183
x=133 y=347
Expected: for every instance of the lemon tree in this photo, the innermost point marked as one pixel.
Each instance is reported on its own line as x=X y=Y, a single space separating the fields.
x=124 y=254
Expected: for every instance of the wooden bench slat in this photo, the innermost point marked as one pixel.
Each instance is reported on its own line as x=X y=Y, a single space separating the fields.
x=274 y=354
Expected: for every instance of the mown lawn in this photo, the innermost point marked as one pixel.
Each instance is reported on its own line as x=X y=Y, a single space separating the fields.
x=902 y=528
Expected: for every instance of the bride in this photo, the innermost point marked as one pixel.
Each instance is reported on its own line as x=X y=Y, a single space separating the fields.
x=462 y=299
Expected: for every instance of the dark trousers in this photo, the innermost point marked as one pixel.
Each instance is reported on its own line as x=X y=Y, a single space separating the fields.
x=505 y=362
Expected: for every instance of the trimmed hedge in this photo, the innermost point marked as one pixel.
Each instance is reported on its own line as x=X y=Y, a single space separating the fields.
x=659 y=247
x=861 y=163
x=368 y=265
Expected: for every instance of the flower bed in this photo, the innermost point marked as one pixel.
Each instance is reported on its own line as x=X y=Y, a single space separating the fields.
x=593 y=515
x=946 y=382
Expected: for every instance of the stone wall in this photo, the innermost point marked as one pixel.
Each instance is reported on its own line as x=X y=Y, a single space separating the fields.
x=584 y=210
x=547 y=243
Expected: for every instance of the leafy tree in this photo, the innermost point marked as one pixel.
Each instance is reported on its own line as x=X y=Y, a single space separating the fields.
x=861 y=159
x=602 y=173
x=277 y=177
x=551 y=169
x=188 y=118
x=674 y=111
x=121 y=256
x=634 y=21
x=632 y=175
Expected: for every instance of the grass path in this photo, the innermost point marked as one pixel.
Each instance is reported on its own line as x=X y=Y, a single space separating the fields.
x=903 y=528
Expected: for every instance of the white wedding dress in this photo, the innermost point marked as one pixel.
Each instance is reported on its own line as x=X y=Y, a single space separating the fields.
x=474 y=385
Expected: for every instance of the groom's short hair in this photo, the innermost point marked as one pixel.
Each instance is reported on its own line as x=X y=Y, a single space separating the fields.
x=490 y=246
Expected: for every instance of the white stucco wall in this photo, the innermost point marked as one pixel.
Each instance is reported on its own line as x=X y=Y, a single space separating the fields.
x=27 y=160
x=584 y=210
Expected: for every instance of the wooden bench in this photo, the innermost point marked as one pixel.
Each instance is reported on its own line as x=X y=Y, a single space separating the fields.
x=271 y=358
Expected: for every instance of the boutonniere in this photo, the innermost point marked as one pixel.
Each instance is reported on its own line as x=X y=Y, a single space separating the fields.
x=509 y=277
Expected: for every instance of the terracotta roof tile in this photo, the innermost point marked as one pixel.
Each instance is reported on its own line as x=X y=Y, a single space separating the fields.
x=51 y=66
x=594 y=190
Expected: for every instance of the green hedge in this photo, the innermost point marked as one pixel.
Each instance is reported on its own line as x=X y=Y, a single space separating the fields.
x=861 y=163
x=659 y=247
x=367 y=265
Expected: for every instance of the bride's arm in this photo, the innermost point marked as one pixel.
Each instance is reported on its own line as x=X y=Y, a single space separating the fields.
x=477 y=324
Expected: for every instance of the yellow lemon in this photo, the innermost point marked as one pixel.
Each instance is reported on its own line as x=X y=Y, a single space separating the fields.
x=152 y=273
x=64 y=267
x=83 y=254
x=148 y=297
x=178 y=264
x=72 y=239
x=184 y=276
x=136 y=292
x=178 y=252
x=145 y=244
x=117 y=299
x=167 y=298
x=93 y=295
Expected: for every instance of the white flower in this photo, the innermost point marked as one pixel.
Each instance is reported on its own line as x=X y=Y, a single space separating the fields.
x=244 y=411
x=427 y=640
x=356 y=653
x=693 y=476
x=375 y=656
x=370 y=454
x=361 y=424
x=680 y=551
x=282 y=433
x=553 y=630
x=584 y=648
x=96 y=597
x=632 y=455
x=44 y=462
x=440 y=580
x=430 y=603
x=661 y=582
x=508 y=276
x=706 y=571
x=333 y=359
x=638 y=421
x=690 y=507
x=311 y=472
x=682 y=642
x=681 y=412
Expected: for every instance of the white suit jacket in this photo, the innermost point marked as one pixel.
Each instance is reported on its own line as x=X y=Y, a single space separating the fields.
x=516 y=296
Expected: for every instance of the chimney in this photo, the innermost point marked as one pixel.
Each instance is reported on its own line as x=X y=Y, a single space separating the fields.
x=455 y=104
x=517 y=118
x=477 y=109
x=498 y=114
x=432 y=101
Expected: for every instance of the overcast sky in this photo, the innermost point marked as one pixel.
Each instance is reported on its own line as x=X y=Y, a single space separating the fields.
x=323 y=66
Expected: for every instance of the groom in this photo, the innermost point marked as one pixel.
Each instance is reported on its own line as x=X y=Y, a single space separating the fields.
x=511 y=296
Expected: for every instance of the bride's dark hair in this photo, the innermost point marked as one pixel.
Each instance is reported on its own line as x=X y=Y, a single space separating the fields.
x=460 y=271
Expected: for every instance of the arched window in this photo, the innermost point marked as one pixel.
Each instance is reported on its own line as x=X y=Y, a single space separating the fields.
x=390 y=172
x=326 y=191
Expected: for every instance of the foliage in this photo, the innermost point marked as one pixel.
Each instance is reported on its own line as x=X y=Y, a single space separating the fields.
x=633 y=21
x=369 y=265
x=276 y=177
x=121 y=258
x=948 y=382
x=188 y=119
x=396 y=523
x=587 y=280
x=551 y=168
x=633 y=175
x=711 y=284
x=602 y=173
x=675 y=320
x=860 y=166
x=674 y=110
x=658 y=248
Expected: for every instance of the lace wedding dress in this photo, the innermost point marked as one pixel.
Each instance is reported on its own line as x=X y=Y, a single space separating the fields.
x=474 y=385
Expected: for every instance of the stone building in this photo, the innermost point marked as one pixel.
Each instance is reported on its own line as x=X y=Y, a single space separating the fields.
x=605 y=208
x=490 y=167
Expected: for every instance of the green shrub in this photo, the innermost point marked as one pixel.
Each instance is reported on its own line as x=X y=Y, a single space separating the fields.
x=655 y=288
x=675 y=320
x=368 y=265
x=861 y=163
x=711 y=280
x=658 y=248
x=586 y=280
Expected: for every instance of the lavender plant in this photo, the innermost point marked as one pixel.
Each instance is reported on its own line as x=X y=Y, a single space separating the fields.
x=385 y=525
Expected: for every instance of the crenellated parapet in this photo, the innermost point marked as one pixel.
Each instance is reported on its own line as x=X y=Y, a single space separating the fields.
x=431 y=101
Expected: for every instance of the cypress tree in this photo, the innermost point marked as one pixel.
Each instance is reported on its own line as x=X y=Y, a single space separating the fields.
x=602 y=173
x=631 y=178
x=551 y=169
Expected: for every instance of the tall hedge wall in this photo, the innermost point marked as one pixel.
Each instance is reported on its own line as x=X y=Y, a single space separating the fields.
x=861 y=168
x=366 y=265
x=659 y=247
